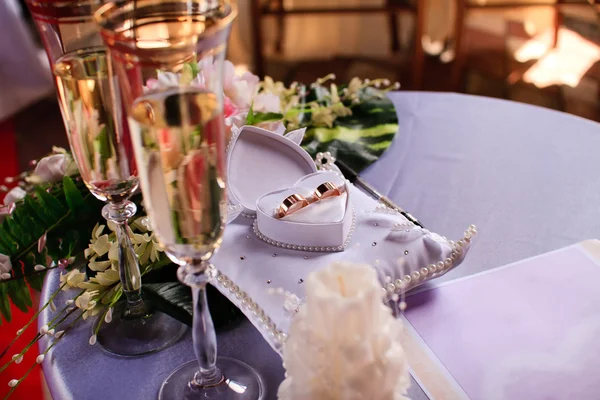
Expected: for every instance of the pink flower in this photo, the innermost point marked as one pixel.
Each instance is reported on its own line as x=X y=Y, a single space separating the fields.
x=193 y=197
x=241 y=89
x=169 y=149
x=152 y=84
x=229 y=109
x=14 y=195
x=51 y=169
x=5 y=265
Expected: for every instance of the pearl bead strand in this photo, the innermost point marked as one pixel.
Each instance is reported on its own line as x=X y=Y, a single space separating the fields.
x=410 y=281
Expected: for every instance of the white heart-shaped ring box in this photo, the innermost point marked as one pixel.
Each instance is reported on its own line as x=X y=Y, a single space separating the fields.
x=263 y=168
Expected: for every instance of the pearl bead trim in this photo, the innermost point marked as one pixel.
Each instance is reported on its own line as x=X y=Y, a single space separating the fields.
x=245 y=302
x=431 y=271
x=341 y=247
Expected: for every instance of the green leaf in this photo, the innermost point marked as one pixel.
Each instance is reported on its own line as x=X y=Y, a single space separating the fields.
x=256 y=118
x=188 y=73
x=250 y=115
x=73 y=196
x=172 y=298
x=36 y=281
x=4 y=303
x=8 y=240
x=102 y=142
x=5 y=247
x=32 y=227
x=50 y=204
x=264 y=117
x=18 y=292
x=16 y=230
x=34 y=208
x=175 y=299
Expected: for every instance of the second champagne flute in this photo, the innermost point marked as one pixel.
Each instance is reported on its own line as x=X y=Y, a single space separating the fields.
x=169 y=56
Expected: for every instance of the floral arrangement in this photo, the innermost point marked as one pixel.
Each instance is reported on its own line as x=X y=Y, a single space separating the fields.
x=355 y=122
x=50 y=220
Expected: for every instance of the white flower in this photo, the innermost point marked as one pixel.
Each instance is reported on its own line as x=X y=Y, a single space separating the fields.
x=106 y=278
x=86 y=300
x=99 y=265
x=5 y=264
x=274 y=126
x=50 y=169
x=167 y=79
x=98 y=229
x=322 y=115
x=102 y=245
x=335 y=97
x=354 y=86
x=277 y=88
x=113 y=252
x=16 y=194
x=73 y=278
x=267 y=102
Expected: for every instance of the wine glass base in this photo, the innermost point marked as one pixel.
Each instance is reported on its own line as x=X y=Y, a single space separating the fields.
x=136 y=337
x=241 y=383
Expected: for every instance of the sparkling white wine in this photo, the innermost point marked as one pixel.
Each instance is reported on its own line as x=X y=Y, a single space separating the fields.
x=178 y=138
x=98 y=145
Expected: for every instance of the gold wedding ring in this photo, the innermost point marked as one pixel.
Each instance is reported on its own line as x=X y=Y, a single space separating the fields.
x=295 y=202
x=326 y=190
x=291 y=204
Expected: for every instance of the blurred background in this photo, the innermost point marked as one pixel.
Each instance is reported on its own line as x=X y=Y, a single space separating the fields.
x=543 y=52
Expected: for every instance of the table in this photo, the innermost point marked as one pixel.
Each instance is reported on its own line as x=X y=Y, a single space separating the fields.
x=521 y=173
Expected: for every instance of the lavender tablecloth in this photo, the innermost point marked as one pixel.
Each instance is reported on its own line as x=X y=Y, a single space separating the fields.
x=524 y=175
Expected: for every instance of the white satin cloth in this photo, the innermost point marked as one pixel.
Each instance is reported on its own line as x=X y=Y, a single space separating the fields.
x=255 y=266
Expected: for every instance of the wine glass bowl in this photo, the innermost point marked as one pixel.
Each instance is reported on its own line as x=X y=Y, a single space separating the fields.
x=101 y=152
x=183 y=168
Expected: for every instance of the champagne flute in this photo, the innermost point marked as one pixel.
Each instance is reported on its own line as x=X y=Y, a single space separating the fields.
x=168 y=56
x=91 y=110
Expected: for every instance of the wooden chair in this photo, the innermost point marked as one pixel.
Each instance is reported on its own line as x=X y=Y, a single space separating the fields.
x=275 y=8
x=464 y=6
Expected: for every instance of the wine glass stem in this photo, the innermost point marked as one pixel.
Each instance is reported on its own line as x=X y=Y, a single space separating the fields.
x=129 y=268
x=204 y=336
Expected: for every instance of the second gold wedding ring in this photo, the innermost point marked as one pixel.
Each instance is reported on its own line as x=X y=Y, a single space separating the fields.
x=326 y=190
